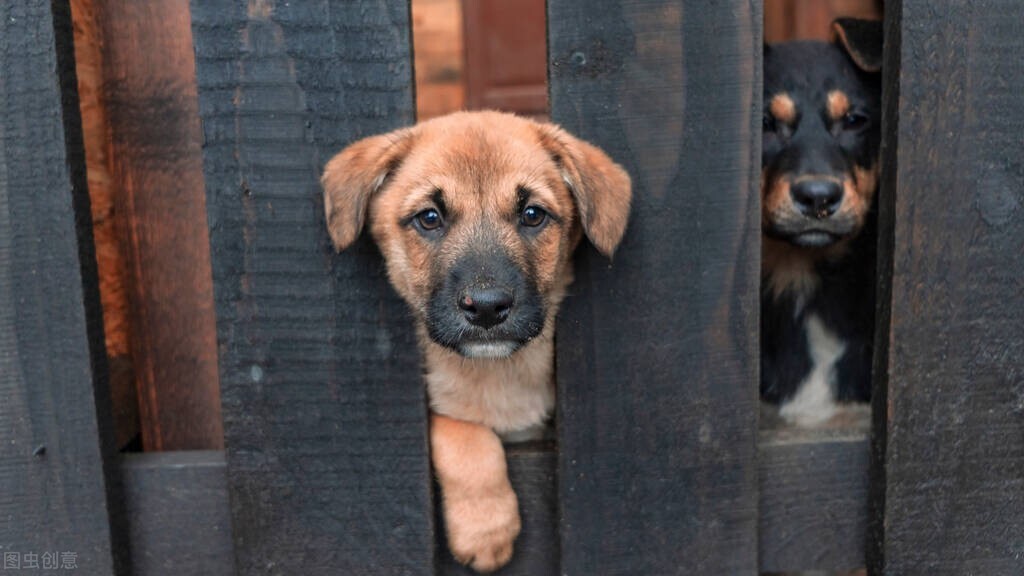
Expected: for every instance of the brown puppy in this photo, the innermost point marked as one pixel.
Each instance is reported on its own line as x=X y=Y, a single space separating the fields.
x=477 y=216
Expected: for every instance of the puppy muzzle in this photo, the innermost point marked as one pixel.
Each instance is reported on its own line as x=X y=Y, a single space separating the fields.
x=487 y=314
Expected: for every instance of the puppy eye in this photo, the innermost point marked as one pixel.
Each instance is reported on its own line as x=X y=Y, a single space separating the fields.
x=768 y=123
x=854 y=120
x=532 y=216
x=429 y=219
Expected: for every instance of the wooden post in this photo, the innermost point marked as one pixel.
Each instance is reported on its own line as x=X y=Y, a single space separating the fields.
x=323 y=400
x=55 y=469
x=154 y=138
x=658 y=349
x=952 y=216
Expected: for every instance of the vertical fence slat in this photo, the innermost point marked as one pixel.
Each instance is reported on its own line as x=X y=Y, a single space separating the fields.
x=149 y=95
x=324 y=412
x=54 y=467
x=657 y=352
x=953 y=202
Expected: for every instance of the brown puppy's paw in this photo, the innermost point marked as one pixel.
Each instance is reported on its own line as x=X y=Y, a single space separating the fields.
x=481 y=511
x=482 y=528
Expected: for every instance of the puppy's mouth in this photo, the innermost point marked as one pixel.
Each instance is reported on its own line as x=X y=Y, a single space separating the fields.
x=473 y=342
x=485 y=349
x=814 y=239
x=808 y=233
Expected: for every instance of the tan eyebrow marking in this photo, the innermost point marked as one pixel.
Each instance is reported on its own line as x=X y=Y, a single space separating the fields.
x=783 y=108
x=838 y=104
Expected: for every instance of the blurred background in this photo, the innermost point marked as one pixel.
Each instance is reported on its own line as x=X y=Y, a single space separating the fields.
x=143 y=148
x=491 y=53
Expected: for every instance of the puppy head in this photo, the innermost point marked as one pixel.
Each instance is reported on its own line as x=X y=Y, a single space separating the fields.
x=477 y=215
x=822 y=131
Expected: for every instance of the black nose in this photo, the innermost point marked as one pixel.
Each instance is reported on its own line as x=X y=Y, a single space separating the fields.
x=486 y=307
x=817 y=198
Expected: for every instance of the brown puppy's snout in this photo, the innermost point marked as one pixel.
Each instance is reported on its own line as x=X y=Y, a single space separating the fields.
x=818 y=199
x=486 y=307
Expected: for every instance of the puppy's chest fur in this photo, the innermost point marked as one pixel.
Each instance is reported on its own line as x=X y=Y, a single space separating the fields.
x=513 y=396
x=817 y=323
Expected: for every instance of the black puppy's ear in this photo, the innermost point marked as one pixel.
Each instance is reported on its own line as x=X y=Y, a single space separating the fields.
x=601 y=188
x=353 y=176
x=862 y=40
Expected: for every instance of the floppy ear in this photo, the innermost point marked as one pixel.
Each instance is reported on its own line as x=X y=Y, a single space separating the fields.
x=862 y=40
x=601 y=188
x=353 y=176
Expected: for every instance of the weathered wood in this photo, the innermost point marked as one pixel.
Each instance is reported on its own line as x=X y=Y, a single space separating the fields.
x=953 y=209
x=53 y=478
x=658 y=351
x=179 y=518
x=814 y=495
x=505 y=54
x=154 y=138
x=324 y=413
x=439 y=57
x=532 y=470
x=110 y=261
x=813 y=511
x=177 y=513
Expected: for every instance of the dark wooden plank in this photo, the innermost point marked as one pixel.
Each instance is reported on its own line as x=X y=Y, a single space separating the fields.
x=953 y=206
x=657 y=352
x=532 y=470
x=814 y=494
x=324 y=413
x=177 y=513
x=179 y=519
x=53 y=473
x=154 y=137
x=813 y=513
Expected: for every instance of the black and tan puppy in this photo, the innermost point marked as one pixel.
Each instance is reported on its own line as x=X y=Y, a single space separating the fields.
x=477 y=216
x=821 y=140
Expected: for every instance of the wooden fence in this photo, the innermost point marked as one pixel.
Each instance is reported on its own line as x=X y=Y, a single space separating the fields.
x=662 y=463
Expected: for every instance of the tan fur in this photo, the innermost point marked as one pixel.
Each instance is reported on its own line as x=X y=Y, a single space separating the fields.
x=783 y=108
x=479 y=160
x=866 y=183
x=775 y=198
x=837 y=104
x=787 y=268
x=508 y=395
x=481 y=510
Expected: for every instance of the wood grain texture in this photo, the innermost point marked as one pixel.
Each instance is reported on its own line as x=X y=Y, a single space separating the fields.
x=814 y=495
x=953 y=206
x=439 y=57
x=658 y=350
x=110 y=260
x=56 y=492
x=505 y=55
x=154 y=140
x=177 y=513
x=323 y=403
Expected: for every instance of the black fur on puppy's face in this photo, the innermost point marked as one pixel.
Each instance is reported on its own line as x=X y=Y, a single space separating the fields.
x=821 y=137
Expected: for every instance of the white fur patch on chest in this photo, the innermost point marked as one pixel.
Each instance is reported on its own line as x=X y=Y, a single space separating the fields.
x=815 y=398
x=509 y=395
